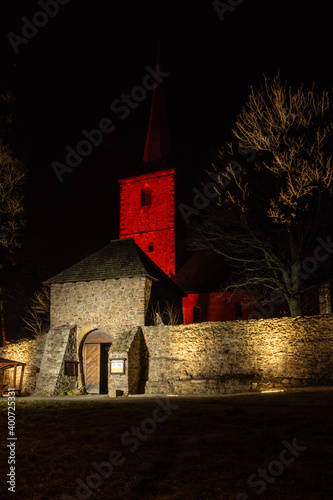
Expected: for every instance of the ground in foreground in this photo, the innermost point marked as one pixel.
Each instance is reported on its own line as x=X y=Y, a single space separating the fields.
x=229 y=448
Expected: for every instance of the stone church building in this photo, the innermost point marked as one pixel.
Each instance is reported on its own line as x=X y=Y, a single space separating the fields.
x=102 y=308
x=103 y=299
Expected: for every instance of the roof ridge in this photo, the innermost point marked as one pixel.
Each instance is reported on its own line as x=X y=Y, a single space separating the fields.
x=111 y=262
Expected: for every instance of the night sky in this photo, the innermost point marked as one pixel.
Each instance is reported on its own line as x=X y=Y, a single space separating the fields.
x=68 y=74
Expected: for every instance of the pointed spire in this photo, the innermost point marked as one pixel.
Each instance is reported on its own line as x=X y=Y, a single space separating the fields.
x=157 y=141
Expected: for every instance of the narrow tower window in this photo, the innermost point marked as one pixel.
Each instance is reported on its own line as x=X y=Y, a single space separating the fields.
x=196 y=314
x=146 y=195
x=150 y=248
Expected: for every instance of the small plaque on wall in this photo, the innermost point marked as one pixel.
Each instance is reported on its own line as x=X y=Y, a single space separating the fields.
x=117 y=366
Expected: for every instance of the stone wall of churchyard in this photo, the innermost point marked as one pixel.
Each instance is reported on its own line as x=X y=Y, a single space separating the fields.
x=208 y=358
x=103 y=304
x=240 y=355
x=29 y=351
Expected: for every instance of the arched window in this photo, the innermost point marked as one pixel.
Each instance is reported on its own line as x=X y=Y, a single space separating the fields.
x=146 y=195
x=196 y=314
x=238 y=311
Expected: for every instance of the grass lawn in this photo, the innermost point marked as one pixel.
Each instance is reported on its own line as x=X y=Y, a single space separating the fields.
x=197 y=448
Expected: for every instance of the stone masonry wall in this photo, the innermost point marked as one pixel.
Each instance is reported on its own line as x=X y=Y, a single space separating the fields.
x=104 y=304
x=137 y=363
x=130 y=346
x=29 y=351
x=119 y=383
x=60 y=347
x=240 y=355
x=209 y=358
x=65 y=382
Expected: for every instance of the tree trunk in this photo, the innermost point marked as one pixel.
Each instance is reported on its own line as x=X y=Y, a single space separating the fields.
x=295 y=306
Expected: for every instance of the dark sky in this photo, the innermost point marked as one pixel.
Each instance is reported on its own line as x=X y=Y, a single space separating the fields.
x=87 y=55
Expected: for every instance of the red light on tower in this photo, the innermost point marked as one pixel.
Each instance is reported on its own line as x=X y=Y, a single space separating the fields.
x=147 y=200
x=147 y=214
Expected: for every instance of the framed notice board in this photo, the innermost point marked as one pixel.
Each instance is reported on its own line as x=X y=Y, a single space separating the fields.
x=117 y=366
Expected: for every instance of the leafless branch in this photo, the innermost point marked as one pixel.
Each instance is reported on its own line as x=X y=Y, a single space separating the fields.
x=265 y=221
x=37 y=319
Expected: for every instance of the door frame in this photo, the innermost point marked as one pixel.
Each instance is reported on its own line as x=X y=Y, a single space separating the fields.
x=96 y=337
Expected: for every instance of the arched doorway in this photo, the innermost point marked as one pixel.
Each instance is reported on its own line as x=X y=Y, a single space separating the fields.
x=95 y=361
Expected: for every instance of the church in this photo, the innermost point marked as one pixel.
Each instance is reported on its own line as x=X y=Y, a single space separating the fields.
x=146 y=277
x=149 y=215
x=150 y=201
x=105 y=309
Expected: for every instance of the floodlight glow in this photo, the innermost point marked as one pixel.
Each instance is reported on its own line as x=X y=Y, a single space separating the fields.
x=273 y=390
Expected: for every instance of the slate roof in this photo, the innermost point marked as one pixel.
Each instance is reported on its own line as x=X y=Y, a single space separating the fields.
x=119 y=259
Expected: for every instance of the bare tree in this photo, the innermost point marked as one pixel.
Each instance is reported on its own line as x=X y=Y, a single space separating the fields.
x=12 y=176
x=11 y=198
x=169 y=315
x=37 y=319
x=172 y=313
x=155 y=314
x=269 y=213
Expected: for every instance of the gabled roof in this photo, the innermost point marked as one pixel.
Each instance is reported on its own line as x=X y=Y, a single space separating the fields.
x=119 y=259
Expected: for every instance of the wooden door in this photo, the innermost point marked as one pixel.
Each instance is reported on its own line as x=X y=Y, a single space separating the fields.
x=91 y=356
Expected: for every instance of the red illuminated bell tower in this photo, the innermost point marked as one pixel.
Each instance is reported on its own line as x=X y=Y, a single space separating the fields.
x=147 y=199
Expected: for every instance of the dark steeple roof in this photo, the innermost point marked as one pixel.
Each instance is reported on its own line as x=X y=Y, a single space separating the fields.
x=157 y=142
x=119 y=259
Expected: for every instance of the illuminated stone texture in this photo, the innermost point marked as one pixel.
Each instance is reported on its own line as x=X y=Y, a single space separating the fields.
x=60 y=347
x=211 y=358
x=240 y=355
x=100 y=304
x=29 y=351
x=130 y=346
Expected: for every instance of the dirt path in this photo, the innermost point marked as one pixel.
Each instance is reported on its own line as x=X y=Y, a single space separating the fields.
x=144 y=398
